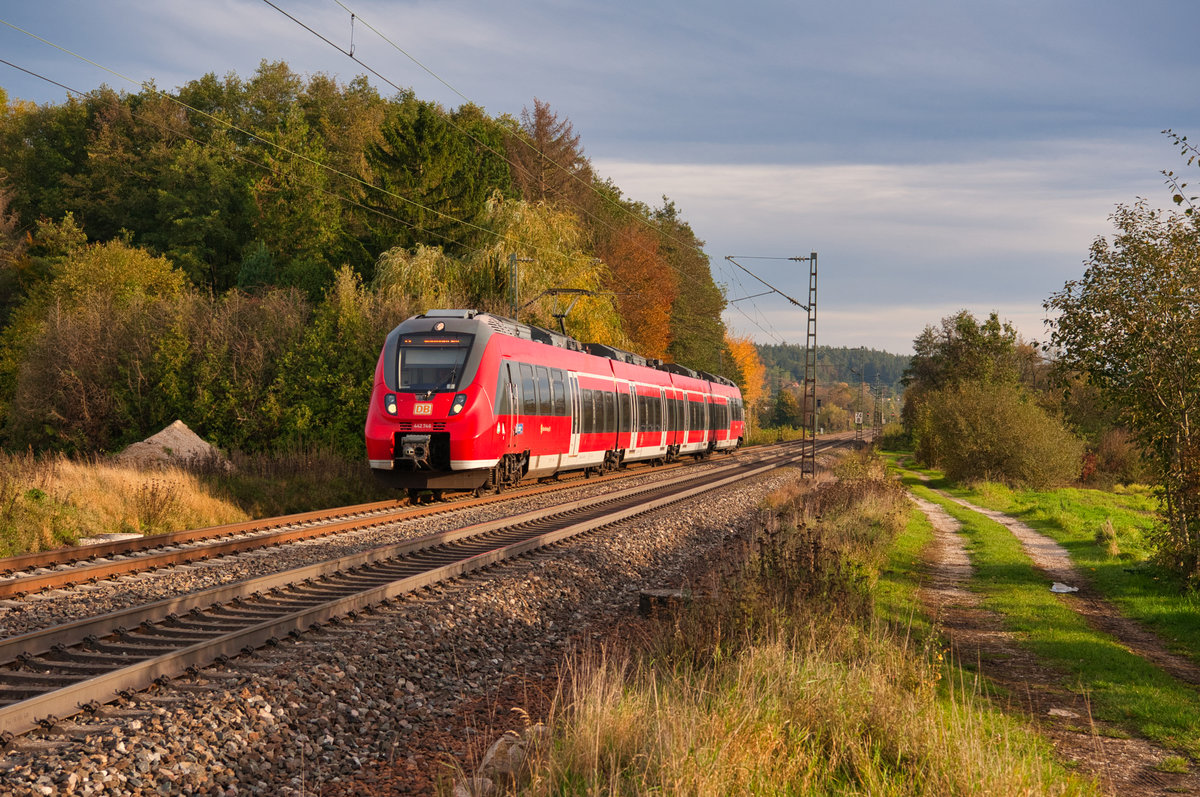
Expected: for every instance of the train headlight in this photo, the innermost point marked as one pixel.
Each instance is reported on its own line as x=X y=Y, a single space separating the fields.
x=460 y=401
x=389 y=404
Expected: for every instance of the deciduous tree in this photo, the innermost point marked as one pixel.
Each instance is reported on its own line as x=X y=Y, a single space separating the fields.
x=754 y=375
x=644 y=287
x=1131 y=324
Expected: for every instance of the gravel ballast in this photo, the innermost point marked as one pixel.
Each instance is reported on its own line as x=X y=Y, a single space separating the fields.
x=390 y=699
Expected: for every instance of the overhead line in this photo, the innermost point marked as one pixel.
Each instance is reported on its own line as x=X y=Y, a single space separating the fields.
x=763 y=281
x=146 y=86
x=639 y=219
x=560 y=167
x=350 y=54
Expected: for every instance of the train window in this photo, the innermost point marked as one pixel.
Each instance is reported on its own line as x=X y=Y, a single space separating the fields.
x=528 y=390
x=543 y=378
x=587 y=410
x=433 y=362
x=560 y=392
x=714 y=414
x=626 y=411
x=610 y=412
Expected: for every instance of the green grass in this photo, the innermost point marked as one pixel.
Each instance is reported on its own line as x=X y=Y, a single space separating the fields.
x=1140 y=590
x=896 y=599
x=1123 y=688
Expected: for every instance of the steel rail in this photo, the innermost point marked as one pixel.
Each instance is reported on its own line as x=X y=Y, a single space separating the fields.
x=19 y=717
x=46 y=639
x=362 y=516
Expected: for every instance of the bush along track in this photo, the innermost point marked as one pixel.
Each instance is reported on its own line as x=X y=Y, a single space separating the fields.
x=1115 y=699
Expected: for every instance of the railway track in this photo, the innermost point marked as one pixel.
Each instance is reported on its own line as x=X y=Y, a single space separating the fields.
x=61 y=671
x=67 y=567
x=58 y=672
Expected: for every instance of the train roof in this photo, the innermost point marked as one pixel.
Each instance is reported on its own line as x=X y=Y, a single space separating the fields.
x=512 y=328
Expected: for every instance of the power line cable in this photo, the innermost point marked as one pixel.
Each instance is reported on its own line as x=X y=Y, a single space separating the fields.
x=572 y=175
x=265 y=167
x=147 y=86
x=521 y=140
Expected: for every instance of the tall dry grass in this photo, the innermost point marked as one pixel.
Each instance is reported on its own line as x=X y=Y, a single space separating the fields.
x=789 y=683
x=47 y=501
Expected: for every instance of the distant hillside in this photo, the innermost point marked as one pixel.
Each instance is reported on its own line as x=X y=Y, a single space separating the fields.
x=785 y=364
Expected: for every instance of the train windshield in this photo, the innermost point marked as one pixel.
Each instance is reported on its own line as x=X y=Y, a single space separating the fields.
x=434 y=362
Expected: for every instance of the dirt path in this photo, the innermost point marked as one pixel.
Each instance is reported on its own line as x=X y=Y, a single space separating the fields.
x=976 y=634
x=1052 y=559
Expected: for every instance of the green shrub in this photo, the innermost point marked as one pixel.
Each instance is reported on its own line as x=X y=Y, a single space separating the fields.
x=978 y=431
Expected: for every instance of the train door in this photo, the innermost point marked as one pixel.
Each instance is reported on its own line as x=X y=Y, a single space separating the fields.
x=664 y=417
x=635 y=422
x=708 y=427
x=506 y=404
x=573 y=404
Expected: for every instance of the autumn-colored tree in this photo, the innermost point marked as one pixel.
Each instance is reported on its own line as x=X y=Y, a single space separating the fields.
x=754 y=374
x=547 y=159
x=697 y=331
x=549 y=245
x=645 y=288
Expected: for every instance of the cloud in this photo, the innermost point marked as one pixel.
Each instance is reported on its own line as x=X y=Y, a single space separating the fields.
x=901 y=245
x=892 y=330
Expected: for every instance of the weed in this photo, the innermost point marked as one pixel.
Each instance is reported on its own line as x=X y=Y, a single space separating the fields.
x=794 y=679
x=50 y=500
x=1173 y=763
x=154 y=502
x=1106 y=538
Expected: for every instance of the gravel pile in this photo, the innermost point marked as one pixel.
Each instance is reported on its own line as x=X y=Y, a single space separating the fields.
x=387 y=700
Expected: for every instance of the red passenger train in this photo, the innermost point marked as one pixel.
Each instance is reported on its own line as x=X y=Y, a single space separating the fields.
x=465 y=400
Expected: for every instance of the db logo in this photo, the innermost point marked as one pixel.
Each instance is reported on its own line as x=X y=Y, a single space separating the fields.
x=422 y=409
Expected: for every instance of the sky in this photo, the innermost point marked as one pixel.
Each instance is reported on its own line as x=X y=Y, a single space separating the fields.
x=937 y=155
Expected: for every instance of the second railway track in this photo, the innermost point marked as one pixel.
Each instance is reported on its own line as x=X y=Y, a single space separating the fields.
x=66 y=567
x=62 y=670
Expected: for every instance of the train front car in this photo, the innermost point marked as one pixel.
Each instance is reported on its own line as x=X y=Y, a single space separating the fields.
x=430 y=425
